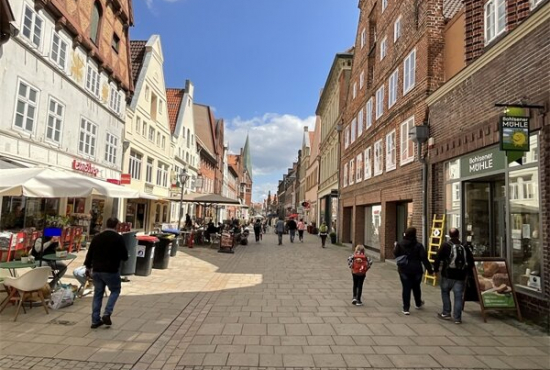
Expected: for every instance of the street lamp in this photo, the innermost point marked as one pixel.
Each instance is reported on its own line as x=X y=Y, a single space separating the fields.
x=183 y=176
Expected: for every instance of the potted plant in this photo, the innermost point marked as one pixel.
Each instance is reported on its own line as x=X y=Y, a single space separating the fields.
x=60 y=252
x=332 y=237
x=25 y=257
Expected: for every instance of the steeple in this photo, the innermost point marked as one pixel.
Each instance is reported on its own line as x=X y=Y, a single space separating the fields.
x=247 y=161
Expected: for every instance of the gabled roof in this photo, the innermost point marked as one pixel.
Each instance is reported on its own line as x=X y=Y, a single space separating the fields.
x=137 y=54
x=451 y=7
x=174 y=98
x=203 y=127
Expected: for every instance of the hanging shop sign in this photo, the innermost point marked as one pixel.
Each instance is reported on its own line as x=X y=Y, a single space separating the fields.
x=514 y=134
x=85 y=167
x=483 y=161
x=125 y=179
x=114 y=181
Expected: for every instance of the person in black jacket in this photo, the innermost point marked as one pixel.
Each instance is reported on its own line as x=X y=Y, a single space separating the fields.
x=103 y=259
x=411 y=274
x=453 y=278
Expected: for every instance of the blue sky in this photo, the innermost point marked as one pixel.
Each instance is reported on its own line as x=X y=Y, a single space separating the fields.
x=259 y=63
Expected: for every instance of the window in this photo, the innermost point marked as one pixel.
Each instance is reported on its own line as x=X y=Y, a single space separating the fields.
x=384 y=4
x=353 y=130
x=163 y=142
x=378 y=154
x=495 y=19
x=161 y=107
x=135 y=165
x=368 y=163
x=92 y=80
x=390 y=151
x=144 y=132
x=383 y=48
x=32 y=26
x=115 y=43
x=380 y=102
x=409 y=70
x=361 y=80
x=27 y=101
x=94 y=23
x=58 y=53
x=147 y=92
x=360 y=122
x=55 y=121
x=351 y=175
x=363 y=37
x=345 y=175
x=406 y=144
x=138 y=125
x=152 y=134
x=88 y=136
x=158 y=138
x=188 y=138
x=392 y=87
x=111 y=148
x=346 y=137
x=359 y=167
x=162 y=174
x=354 y=91
x=397 y=29
x=114 y=101
x=535 y=3
x=149 y=170
x=368 y=112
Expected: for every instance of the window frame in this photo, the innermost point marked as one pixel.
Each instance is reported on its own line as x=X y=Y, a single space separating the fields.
x=397 y=28
x=61 y=42
x=409 y=81
x=353 y=130
x=111 y=148
x=92 y=84
x=393 y=88
x=135 y=162
x=26 y=100
x=351 y=175
x=495 y=17
x=354 y=90
x=55 y=116
x=149 y=168
x=359 y=168
x=346 y=137
x=31 y=38
x=405 y=139
x=383 y=48
x=360 y=122
x=368 y=114
x=361 y=80
x=367 y=161
x=384 y=5
x=91 y=135
x=363 y=37
x=115 y=99
x=380 y=102
x=378 y=151
x=391 y=151
x=345 y=177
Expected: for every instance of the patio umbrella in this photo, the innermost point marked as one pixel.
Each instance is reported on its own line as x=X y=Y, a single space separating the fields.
x=40 y=182
x=207 y=199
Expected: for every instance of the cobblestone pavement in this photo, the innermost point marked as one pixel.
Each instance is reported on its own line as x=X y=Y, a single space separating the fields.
x=265 y=307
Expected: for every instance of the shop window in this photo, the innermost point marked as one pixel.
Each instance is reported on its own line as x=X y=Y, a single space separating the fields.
x=373 y=222
x=158 y=213
x=532 y=156
x=21 y=212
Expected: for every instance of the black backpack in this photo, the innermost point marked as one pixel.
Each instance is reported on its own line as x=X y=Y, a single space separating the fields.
x=457 y=259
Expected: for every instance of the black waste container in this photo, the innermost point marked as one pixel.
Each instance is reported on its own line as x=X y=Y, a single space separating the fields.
x=145 y=252
x=162 y=251
x=129 y=267
x=175 y=241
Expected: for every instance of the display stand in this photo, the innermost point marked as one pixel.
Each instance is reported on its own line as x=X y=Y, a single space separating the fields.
x=227 y=243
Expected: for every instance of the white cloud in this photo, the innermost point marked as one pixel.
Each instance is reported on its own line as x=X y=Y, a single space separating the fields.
x=261 y=190
x=274 y=140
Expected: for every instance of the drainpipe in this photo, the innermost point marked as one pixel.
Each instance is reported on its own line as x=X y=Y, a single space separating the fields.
x=424 y=163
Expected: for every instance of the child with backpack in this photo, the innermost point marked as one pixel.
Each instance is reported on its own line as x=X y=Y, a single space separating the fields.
x=359 y=265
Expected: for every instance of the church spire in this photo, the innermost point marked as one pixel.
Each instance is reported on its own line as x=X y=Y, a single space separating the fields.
x=247 y=161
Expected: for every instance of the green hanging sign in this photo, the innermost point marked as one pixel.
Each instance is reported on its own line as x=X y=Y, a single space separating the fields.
x=514 y=134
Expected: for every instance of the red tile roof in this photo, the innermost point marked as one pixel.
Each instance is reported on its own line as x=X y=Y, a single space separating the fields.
x=203 y=127
x=137 y=53
x=174 y=98
x=451 y=7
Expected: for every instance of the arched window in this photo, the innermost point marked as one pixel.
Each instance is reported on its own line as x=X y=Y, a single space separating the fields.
x=94 y=22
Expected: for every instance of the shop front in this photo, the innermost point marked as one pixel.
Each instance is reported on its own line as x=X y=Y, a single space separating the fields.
x=497 y=207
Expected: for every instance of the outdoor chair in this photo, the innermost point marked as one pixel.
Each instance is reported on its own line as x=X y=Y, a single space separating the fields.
x=21 y=288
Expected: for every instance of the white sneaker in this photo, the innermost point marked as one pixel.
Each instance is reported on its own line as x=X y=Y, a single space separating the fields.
x=406 y=313
x=359 y=303
x=354 y=301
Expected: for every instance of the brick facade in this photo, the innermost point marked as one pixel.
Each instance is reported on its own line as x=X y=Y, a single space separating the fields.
x=464 y=118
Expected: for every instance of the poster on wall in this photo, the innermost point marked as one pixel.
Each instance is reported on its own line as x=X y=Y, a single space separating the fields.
x=495 y=290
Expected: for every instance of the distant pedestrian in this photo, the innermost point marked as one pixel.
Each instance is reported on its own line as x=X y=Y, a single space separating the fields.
x=458 y=261
x=301 y=229
x=323 y=232
x=292 y=226
x=411 y=272
x=359 y=265
x=280 y=229
x=102 y=262
x=258 y=230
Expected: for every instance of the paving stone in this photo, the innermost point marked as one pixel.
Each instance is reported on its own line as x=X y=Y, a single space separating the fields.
x=413 y=361
x=458 y=361
x=215 y=359
x=290 y=360
x=243 y=359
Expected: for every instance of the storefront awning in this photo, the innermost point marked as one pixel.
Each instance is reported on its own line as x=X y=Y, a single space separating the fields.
x=143 y=195
x=40 y=182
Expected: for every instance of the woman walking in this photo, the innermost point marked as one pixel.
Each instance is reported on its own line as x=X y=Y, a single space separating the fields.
x=301 y=228
x=323 y=232
x=359 y=265
x=410 y=270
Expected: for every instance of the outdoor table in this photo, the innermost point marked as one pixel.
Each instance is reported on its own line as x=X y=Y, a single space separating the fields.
x=53 y=258
x=12 y=266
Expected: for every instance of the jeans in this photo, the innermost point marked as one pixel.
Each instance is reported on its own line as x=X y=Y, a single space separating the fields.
x=80 y=274
x=411 y=282
x=301 y=235
x=323 y=240
x=112 y=281
x=358 y=281
x=280 y=236
x=292 y=235
x=457 y=286
x=257 y=235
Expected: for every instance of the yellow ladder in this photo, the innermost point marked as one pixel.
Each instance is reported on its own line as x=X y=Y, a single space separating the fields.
x=436 y=239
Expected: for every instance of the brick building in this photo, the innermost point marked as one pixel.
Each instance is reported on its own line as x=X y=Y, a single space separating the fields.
x=500 y=55
x=397 y=63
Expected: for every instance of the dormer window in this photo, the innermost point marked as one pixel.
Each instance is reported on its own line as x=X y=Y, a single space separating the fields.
x=94 y=23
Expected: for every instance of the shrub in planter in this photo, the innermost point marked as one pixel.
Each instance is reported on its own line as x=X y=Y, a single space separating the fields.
x=332 y=237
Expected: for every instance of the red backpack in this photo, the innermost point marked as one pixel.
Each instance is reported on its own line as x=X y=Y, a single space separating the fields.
x=359 y=265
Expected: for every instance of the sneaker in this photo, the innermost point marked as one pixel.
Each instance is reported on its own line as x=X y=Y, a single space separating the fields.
x=96 y=325
x=444 y=316
x=458 y=321
x=359 y=303
x=354 y=301
x=420 y=306
x=106 y=319
x=406 y=313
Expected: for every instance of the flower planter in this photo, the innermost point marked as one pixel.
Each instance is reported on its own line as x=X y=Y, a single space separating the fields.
x=24 y=259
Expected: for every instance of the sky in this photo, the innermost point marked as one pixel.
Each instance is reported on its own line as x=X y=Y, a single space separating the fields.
x=261 y=65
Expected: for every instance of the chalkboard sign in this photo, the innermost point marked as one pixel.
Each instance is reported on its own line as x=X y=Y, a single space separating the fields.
x=494 y=287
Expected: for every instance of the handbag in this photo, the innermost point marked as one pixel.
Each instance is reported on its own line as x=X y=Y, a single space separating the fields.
x=402 y=260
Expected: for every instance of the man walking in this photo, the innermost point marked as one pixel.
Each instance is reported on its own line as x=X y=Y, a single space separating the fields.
x=292 y=226
x=102 y=261
x=457 y=260
x=280 y=229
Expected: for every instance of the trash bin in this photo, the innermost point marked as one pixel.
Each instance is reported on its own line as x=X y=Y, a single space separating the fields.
x=175 y=241
x=145 y=253
x=129 y=267
x=162 y=251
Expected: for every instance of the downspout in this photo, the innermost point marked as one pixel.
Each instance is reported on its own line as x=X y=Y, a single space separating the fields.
x=424 y=162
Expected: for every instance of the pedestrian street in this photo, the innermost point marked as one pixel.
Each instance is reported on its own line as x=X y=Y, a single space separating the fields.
x=269 y=307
